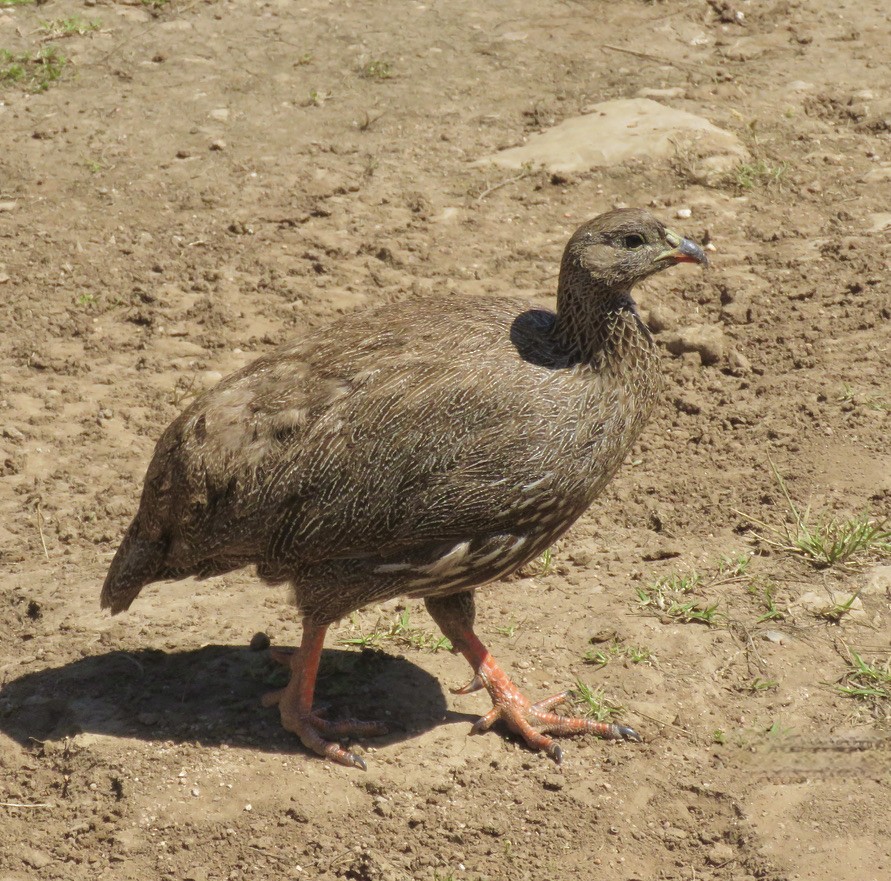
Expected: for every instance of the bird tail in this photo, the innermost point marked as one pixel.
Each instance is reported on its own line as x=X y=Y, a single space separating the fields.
x=138 y=562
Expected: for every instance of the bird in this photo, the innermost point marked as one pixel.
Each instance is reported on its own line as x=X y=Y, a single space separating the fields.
x=414 y=449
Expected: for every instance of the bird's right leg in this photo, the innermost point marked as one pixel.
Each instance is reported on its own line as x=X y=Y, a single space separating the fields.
x=296 y=698
x=534 y=722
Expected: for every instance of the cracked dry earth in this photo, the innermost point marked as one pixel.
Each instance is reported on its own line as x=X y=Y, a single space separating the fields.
x=204 y=180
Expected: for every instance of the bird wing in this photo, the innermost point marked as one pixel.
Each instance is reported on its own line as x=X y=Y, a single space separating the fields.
x=364 y=440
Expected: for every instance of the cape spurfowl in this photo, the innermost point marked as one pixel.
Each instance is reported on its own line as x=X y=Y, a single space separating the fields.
x=418 y=449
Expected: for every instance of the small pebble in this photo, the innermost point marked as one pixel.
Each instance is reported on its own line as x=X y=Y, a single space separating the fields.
x=774 y=636
x=259 y=642
x=684 y=213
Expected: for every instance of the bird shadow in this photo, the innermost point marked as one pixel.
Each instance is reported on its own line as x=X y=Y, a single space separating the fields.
x=211 y=696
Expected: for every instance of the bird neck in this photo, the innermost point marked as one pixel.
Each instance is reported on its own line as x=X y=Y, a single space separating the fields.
x=597 y=323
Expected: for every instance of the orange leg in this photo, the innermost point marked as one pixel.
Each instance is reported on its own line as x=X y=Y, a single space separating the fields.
x=296 y=698
x=533 y=722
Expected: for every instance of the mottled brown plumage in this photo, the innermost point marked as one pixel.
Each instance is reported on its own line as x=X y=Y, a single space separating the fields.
x=420 y=448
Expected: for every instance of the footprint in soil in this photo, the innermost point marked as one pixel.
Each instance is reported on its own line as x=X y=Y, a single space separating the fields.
x=212 y=696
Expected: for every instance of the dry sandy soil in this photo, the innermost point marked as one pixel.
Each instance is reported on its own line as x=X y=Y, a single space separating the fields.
x=204 y=180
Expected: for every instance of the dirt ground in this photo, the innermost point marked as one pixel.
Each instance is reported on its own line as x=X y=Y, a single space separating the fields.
x=185 y=184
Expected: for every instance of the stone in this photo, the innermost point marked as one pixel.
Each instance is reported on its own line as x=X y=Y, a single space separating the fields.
x=720 y=854
x=655 y=94
x=661 y=318
x=878 y=583
x=775 y=636
x=688 y=402
x=737 y=312
x=259 y=642
x=882 y=173
x=37 y=859
x=614 y=132
x=824 y=604
x=704 y=339
x=738 y=363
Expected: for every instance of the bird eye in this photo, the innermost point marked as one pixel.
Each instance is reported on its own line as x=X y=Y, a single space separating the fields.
x=633 y=241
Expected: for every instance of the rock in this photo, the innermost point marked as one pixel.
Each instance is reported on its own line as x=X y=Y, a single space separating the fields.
x=720 y=854
x=661 y=318
x=882 y=173
x=663 y=550
x=125 y=840
x=738 y=363
x=581 y=557
x=704 y=339
x=613 y=132
x=878 y=582
x=737 y=312
x=37 y=859
x=775 y=636
x=824 y=604
x=209 y=378
x=259 y=642
x=688 y=402
x=879 y=221
x=676 y=92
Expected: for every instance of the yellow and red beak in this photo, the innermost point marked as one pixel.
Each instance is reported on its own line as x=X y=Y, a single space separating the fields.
x=682 y=250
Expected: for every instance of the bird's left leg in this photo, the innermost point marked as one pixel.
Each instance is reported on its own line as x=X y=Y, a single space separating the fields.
x=295 y=702
x=533 y=722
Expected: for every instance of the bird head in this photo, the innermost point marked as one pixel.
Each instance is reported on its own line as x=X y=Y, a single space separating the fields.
x=622 y=247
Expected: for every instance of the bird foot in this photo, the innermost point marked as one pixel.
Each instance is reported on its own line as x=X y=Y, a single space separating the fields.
x=318 y=734
x=534 y=722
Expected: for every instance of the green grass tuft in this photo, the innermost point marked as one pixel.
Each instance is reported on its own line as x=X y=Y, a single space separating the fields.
x=866 y=681
x=748 y=175
x=400 y=632
x=670 y=596
x=73 y=26
x=592 y=703
x=828 y=541
x=634 y=654
x=378 y=69
x=35 y=72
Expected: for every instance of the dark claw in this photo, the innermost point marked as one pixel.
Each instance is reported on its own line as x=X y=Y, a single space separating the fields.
x=556 y=753
x=475 y=684
x=623 y=732
x=356 y=762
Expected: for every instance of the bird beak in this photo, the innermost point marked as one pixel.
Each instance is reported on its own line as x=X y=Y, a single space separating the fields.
x=682 y=250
